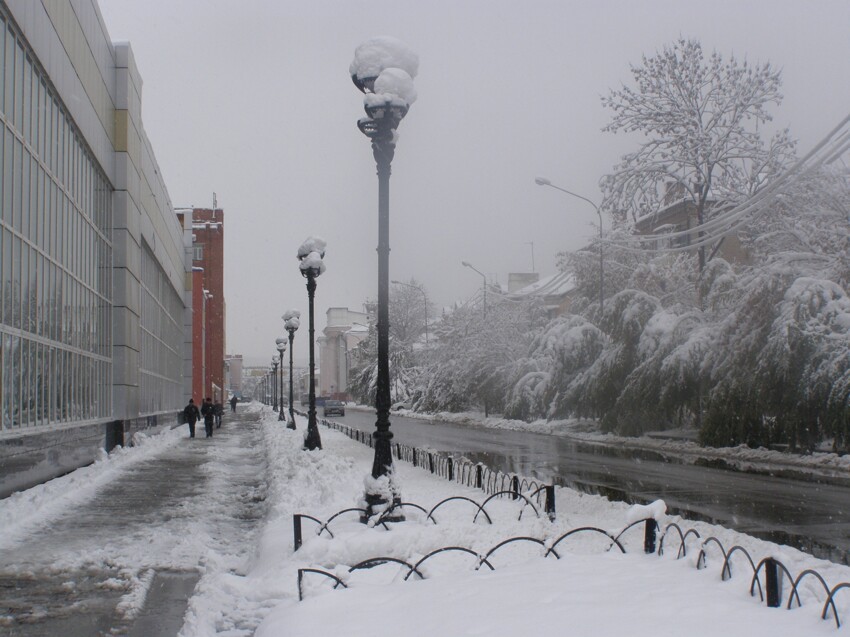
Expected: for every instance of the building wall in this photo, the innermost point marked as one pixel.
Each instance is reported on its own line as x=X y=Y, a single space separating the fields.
x=208 y=231
x=682 y=215
x=334 y=347
x=93 y=268
x=235 y=371
x=200 y=379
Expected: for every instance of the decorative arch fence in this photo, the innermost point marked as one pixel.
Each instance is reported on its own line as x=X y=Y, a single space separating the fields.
x=769 y=575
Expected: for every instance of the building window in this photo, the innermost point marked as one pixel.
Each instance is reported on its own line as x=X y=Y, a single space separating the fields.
x=55 y=253
x=198 y=253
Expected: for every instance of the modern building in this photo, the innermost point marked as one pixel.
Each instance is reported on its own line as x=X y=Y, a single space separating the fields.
x=344 y=330
x=95 y=309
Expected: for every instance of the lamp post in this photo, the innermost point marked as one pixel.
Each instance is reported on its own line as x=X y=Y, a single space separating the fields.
x=275 y=362
x=472 y=267
x=424 y=295
x=542 y=181
x=310 y=254
x=291 y=321
x=280 y=341
x=383 y=69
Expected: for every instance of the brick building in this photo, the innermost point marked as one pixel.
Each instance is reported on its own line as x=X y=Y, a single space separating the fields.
x=209 y=318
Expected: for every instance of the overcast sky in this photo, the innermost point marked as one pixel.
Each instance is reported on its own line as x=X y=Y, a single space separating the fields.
x=252 y=100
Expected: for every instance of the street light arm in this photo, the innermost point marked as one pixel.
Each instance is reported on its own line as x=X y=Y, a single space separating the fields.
x=545 y=182
x=472 y=267
x=542 y=181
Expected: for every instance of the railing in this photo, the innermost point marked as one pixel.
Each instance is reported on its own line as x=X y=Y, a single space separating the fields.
x=499 y=484
x=548 y=547
x=458 y=469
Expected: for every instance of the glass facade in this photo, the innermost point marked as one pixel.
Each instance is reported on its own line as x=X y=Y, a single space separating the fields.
x=161 y=368
x=55 y=254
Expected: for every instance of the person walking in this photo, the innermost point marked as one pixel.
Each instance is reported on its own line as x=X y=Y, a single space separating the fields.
x=219 y=412
x=208 y=412
x=192 y=415
x=233 y=401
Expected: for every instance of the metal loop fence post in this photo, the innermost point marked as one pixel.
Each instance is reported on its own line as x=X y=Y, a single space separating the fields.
x=773 y=583
x=550 y=502
x=515 y=487
x=649 y=532
x=451 y=468
x=296 y=530
x=478 y=476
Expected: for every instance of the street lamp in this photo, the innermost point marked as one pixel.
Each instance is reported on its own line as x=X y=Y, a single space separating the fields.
x=383 y=69
x=471 y=267
x=310 y=254
x=424 y=295
x=280 y=341
x=275 y=362
x=291 y=322
x=542 y=181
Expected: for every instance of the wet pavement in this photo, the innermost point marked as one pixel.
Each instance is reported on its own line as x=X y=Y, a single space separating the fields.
x=812 y=515
x=127 y=560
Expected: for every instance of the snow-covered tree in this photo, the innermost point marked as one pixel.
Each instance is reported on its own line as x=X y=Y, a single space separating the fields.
x=474 y=356
x=407 y=325
x=700 y=119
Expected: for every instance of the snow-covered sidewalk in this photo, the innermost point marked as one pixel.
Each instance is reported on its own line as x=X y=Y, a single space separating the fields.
x=589 y=591
x=82 y=552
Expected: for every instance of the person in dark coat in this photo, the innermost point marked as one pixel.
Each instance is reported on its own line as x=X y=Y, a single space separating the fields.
x=219 y=412
x=233 y=401
x=192 y=415
x=208 y=412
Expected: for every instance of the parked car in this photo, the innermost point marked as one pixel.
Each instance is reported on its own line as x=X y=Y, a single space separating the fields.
x=332 y=407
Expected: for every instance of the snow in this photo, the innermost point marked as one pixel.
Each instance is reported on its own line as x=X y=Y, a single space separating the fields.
x=654 y=510
x=396 y=82
x=291 y=319
x=313 y=261
x=382 y=52
x=588 y=591
x=312 y=244
x=311 y=253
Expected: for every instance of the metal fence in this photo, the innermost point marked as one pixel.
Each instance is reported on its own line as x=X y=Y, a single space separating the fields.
x=498 y=484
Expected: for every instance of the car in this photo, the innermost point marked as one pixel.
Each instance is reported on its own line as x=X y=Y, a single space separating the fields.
x=332 y=407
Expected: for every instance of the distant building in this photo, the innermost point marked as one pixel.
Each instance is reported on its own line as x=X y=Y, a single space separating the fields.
x=93 y=261
x=519 y=280
x=680 y=214
x=344 y=330
x=209 y=324
x=233 y=367
x=555 y=293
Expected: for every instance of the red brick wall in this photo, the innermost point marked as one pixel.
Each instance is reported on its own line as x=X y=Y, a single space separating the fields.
x=199 y=374
x=208 y=231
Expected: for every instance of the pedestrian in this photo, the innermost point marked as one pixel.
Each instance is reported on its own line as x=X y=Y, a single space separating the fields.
x=219 y=412
x=208 y=412
x=233 y=401
x=192 y=415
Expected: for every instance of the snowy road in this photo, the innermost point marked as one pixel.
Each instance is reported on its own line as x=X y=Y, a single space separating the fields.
x=148 y=529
